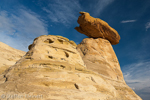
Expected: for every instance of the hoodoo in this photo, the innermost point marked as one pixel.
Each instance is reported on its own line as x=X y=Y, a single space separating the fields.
x=98 y=54
x=55 y=68
x=99 y=57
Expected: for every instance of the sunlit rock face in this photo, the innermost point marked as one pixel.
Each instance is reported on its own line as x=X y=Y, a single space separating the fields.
x=8 y=56
x=54 y=48
x=96 y=28
x=54 y=69
x=99 y=56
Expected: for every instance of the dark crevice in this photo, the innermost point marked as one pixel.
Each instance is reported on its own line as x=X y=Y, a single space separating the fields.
x=61 y=41
x=48 y=41
x=67 y=55
x=6 y=78
x=51 y=57
x=62 y=66
x=62 y=58
x=30 y=46
x=77 y=87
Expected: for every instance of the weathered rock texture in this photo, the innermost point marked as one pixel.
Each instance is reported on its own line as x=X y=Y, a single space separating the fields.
x=53 y=69
x=54 y=48
x=8 y=56
x=99 y=56
x=96 y=28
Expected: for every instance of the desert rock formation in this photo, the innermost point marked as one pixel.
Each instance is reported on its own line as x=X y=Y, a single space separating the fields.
x=8 y=56
x=96 y=28
x=99 y=57
x=43 y=74
x=54 y=48
x=55 y=68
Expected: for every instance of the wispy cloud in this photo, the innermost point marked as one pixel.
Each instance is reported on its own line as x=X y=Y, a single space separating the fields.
x=19 y=29
x=137 y=77
x=63 y=11
x=66 y=11
x=128 y=21
x=147 y=25
x=97 y=6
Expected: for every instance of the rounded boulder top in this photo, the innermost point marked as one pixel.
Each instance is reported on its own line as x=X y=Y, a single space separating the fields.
x=96 y=28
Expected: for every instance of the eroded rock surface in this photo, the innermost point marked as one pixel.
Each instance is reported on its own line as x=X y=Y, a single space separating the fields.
x=54 y=48
x=43 y=74
x=8 y=56
x=99 y=56
x=96 y=28
x=54 y=69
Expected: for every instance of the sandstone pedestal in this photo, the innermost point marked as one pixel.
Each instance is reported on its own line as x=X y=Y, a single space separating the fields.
x=99 y=56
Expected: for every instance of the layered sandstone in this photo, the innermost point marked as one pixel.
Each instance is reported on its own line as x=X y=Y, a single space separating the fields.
x=53 y=69
x=96 y=28
x=54 y=48
x=8 y=56
x=99 y=56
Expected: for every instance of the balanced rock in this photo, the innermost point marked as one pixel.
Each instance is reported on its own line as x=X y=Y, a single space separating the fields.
x=99 y=56
x=96 y=28
x=53 y=69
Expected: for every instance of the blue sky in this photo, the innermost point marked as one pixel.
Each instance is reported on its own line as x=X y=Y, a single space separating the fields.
x=23 y=20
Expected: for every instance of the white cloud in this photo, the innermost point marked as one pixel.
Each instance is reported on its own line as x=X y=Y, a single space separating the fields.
x=137 y=76
x=20 y=28
x=5 y=26
x=147 y=25
x=63 y=11
x=128 y=21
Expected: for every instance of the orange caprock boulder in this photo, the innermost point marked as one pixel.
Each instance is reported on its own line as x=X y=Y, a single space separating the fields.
x=96 y=28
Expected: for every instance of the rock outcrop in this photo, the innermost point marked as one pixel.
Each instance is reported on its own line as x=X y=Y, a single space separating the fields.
x=96 y=28
x=53 y=69
x=8 y=56
x=54 y=48
x=99 y=56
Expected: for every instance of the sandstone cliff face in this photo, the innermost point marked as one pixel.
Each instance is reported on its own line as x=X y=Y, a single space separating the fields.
x=99 y=56
x=8 y=56
x=43 y=74
x=96 y=28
